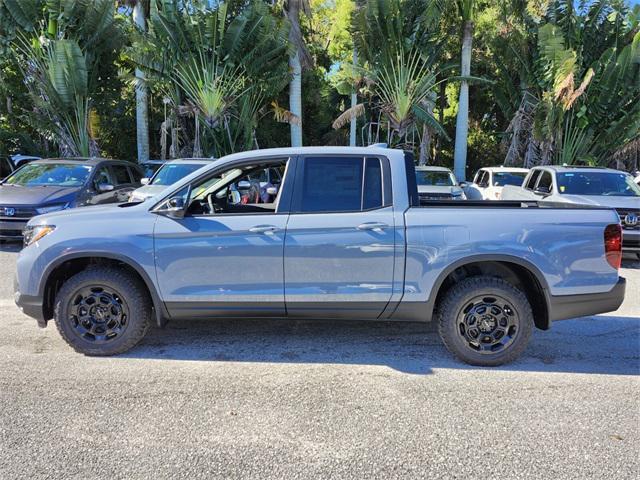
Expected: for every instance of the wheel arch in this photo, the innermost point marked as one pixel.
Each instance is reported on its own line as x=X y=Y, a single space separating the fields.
x=517 y=271
x=66 y=266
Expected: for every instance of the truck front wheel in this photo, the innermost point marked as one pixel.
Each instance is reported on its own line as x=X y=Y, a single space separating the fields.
x=102 y=311
x=485 y=321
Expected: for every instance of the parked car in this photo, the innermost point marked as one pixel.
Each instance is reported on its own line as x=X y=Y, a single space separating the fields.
x=150 y=167
x=586 y=186
x=6 y=167
x=168 y=174
x=346 y=238
x=45 y=186
x=438 y=183
x=488 y=182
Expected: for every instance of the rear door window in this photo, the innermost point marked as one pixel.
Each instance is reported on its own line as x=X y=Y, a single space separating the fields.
x=121 y=174
x=340 y=184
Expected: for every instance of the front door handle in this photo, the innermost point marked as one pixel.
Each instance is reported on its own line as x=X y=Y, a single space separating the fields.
x=373 y=226
x=266 y=229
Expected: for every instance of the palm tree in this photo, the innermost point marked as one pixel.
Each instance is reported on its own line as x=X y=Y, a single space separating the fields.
x=299 y=59
x=399 y=48
x=466 y=9
x=142 y=107
x=60 y=47
x=216 y=66
x=579 y=92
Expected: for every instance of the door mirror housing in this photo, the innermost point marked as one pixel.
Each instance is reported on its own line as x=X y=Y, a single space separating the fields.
x=544 y=191
x=272 y=191
x=463 y=184
x=174 y=208
x=144 y=181
x=105 y=187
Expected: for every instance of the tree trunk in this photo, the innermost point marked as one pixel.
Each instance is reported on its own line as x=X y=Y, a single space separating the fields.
x=462 y=120
x=142 y=112
x=354 y=102
x=295 y=99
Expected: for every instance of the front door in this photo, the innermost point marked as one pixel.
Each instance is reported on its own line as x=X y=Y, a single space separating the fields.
x=339 y=248
x=225 y=261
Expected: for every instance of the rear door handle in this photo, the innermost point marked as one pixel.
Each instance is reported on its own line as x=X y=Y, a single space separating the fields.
x=373 y=226
x=266 y=229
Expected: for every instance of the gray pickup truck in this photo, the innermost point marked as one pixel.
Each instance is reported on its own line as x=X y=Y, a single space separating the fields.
x=344 y=236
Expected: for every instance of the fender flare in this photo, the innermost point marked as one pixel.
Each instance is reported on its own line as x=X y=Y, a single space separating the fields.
x=162 y=315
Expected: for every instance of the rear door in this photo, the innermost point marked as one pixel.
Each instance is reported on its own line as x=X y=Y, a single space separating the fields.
x=339 y=244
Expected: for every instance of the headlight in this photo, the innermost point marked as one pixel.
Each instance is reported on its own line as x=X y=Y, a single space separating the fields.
x=32 y=234
x=51 y=208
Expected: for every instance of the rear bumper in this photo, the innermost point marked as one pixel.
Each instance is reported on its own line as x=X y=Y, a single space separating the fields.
x=563 y=307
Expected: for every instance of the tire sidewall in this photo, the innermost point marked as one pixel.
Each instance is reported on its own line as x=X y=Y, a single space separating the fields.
x=130 y=293
x=464 y=292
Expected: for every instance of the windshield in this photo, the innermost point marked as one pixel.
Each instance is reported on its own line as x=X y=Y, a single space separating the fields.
x=170 y=173
x=430 y=177
x=500 y=179
x=51 y=174
x=597 y=183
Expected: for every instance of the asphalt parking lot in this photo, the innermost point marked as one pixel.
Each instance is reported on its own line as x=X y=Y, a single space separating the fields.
x=278 y=399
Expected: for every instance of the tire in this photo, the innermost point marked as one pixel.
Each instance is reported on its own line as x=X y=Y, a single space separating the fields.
x=102 y=311
x=485 y=321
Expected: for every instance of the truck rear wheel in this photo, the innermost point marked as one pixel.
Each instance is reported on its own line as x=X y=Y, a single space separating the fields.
x=102 y=311
x=485 y=321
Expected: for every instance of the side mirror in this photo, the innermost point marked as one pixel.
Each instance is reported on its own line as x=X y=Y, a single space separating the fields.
x=145 y=181
x=244 y=184
x=272 y=191
x=175 y=208
x=542 y=191
x=105 y=187
x=463 y=184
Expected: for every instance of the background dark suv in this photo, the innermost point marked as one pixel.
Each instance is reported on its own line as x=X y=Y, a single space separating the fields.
x=46 y=186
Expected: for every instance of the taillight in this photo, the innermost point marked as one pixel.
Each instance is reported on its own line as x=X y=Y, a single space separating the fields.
x=613 y=245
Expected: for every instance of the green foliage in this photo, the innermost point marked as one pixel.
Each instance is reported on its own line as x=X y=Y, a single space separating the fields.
x=218 y=66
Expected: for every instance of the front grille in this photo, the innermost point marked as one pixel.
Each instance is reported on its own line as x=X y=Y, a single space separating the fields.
x=623 y=214
x=19 y=212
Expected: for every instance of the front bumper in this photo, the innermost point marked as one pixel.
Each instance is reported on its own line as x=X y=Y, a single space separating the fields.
x=562 y=307
x=32 y=306
x=631 y=240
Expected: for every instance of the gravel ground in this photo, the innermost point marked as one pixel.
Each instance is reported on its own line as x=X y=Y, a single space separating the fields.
x=277 y=399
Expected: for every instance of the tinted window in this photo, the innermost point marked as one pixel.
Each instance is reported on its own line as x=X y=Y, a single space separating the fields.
x=53 y=174
x=438 y=178
x=135 y=174
x=531 y=183
x=335 y=184
x=545 y=181
x=612 y=184
x=121 y=174
x=5 y=168
x=332 y=184
x=372 y=195
x=103 y=177
x=500 y=179
x=170 y=173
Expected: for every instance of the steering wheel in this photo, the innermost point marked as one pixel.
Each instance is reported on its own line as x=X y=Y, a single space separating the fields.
x=218 y=204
